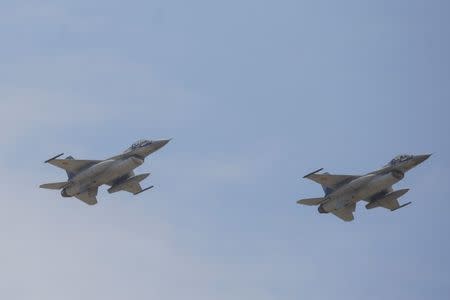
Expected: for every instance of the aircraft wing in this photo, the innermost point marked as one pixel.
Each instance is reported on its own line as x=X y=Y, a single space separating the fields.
x=391 y=204
x=329 y=180
x=133 y=187
x=388 y=199
x=88 y=197
x=73 y=165
x=345 y=213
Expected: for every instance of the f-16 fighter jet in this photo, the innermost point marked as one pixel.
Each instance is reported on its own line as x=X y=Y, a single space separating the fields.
x=85 y=176
x=342 y=192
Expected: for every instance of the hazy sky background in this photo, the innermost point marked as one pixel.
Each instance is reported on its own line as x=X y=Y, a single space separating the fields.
x=255 y=94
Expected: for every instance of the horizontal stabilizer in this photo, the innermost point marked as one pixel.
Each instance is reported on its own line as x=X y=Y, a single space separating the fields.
x=89 y=197
x=54 y=186
x=311 y=201
x=346 y=213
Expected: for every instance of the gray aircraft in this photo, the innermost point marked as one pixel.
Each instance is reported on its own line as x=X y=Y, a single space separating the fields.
x=85 y=176
x=342 y=192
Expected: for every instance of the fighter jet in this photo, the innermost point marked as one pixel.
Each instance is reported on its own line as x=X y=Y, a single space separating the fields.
x=85 y=176
x=342 y=192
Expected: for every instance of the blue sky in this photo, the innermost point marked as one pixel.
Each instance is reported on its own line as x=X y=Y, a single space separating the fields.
x=255 y=94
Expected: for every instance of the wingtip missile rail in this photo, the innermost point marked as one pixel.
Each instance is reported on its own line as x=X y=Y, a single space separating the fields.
x=150 y=187
x=316 y=171
x=53 y=158
x=401 y=206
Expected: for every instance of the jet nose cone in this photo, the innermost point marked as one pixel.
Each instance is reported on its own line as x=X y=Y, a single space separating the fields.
x=421 y=158
x=165 y=142
x=162 y=143
x=159 y=144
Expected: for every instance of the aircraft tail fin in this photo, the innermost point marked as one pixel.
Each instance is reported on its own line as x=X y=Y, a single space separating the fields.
x=311 y=201
x=70 y=174
x=54 y=185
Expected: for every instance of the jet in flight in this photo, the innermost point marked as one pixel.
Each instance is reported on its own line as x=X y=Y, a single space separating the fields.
x=342 y=192
x=85 y=176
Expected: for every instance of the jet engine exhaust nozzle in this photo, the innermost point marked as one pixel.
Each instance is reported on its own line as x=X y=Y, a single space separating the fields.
x=64 y=193
x=321 y=209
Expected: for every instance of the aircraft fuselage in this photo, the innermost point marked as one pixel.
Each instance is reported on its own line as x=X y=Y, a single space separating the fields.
x=102 y=173
x=361 y=188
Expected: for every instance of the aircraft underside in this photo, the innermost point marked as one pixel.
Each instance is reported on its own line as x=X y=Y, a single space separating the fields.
x=86 y=176
x=342 y=192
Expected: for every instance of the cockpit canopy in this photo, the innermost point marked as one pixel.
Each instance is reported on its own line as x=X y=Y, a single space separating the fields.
x=139 y=144
x=399 y=159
